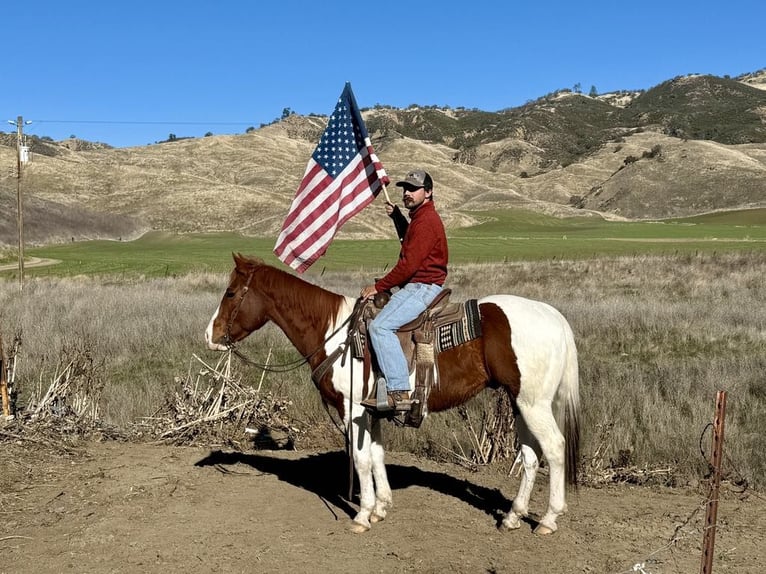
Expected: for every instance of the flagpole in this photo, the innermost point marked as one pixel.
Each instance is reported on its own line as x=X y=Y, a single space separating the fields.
x=385 y=192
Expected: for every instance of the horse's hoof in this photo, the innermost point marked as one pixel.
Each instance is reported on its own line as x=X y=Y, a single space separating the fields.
x=511 y=522
x=376 y=518
x=358 y=528
x=542 y=529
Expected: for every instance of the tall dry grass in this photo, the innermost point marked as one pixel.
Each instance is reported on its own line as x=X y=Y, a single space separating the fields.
x=657 y=337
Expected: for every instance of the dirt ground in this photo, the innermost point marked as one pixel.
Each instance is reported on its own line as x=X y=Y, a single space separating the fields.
x=123 y=507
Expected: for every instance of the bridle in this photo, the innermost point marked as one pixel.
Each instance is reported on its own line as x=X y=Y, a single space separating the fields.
x=292 y=365
x=227 y=336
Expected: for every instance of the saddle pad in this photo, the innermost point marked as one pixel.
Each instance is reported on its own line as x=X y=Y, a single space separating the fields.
x=466 y=328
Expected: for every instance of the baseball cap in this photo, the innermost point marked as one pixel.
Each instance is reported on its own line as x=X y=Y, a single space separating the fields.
x=417 y=178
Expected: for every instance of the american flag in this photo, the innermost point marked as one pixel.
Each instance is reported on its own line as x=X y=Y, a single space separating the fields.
x=342 y=177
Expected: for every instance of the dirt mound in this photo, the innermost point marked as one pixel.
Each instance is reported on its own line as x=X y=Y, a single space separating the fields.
x=126 y=507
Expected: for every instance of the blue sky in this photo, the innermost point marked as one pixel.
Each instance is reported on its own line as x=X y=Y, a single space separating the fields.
x=131 y=73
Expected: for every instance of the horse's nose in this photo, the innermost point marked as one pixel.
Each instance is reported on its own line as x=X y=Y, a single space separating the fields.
x=216 y=347
x=212 y=345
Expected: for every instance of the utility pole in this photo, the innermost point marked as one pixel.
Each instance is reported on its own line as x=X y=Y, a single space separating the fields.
x=19 y=123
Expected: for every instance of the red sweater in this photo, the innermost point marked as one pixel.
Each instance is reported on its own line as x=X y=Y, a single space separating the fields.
x=424 y=255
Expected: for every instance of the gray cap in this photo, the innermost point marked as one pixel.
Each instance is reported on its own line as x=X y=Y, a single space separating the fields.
x=417 y=178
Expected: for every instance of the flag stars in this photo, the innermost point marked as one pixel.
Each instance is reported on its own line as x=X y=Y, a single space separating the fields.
x=341 y=140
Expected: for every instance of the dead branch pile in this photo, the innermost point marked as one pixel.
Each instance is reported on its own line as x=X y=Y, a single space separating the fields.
x=492 y=439
x=212 y=405
x=599 y=470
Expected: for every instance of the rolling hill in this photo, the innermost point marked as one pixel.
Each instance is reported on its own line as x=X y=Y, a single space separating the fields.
x=690 y=145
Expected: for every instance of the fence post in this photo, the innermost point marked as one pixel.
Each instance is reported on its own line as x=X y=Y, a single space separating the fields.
x=711 y=511
x=4 y=380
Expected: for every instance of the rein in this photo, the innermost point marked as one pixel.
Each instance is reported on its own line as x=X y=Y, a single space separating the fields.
x=284 y=367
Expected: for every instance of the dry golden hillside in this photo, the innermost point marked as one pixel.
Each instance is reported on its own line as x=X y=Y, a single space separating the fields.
x=678 y=149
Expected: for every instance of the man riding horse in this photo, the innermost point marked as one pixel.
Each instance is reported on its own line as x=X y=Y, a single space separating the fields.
x=419 y=274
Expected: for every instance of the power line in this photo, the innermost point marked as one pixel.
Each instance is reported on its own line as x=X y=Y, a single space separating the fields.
x=133 y=122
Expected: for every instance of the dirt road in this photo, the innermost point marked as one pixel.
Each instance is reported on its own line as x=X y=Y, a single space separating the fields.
x=30 y=262
x=115 y=507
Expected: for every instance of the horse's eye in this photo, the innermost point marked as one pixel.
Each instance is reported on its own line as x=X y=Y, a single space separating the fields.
x=229 y=294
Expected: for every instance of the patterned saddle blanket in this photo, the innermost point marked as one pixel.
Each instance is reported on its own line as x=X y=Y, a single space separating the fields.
x=442 y=326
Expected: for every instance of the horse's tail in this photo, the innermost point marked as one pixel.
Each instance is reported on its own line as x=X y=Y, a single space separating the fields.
x=569 y=408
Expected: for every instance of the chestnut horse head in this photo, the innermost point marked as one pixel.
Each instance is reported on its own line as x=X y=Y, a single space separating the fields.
x=526 y=348
x=229 y=325
x=258 y=293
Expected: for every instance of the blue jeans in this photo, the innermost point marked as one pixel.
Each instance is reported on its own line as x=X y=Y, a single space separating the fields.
x=405 y=305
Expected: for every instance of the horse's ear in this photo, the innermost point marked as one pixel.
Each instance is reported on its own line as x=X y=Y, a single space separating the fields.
x=243 y=263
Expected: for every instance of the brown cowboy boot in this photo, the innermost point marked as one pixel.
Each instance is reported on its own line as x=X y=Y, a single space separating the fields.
x=393 y=400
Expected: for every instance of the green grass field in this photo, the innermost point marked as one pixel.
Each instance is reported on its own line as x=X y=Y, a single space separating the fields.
x=510 y=235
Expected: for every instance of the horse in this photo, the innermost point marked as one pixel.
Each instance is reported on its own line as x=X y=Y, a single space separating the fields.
x=526 y=347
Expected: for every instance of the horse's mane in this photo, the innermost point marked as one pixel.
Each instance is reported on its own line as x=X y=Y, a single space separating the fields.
x=318 y=305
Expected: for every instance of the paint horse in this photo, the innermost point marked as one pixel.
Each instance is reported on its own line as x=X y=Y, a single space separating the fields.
x=527 y=348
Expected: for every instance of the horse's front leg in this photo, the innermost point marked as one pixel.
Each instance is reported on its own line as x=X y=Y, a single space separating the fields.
x=367 y=465
x=383 y=496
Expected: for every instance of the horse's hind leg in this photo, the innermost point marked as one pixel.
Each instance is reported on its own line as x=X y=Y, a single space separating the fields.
x=541 y=424
x=529 y=455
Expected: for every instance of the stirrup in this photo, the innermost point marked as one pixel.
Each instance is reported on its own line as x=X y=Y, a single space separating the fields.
x=380 y=403
x=402 y=405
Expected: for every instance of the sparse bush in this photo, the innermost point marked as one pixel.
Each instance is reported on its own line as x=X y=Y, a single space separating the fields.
x=652 y=153
x=577 y=201
x=7 y=253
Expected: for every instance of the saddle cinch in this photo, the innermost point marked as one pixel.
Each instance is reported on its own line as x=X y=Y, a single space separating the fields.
x=443 y=325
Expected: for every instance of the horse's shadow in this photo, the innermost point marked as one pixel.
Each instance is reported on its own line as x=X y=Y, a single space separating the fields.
x=325 y=473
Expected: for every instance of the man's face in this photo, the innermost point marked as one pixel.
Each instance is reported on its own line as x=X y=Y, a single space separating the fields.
x=413 y=197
